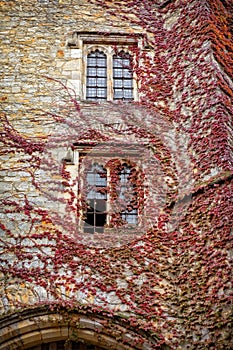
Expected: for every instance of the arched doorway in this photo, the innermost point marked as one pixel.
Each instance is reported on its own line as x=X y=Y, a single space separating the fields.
x=44 y=329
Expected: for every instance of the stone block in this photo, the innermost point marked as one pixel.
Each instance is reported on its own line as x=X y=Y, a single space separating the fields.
x=15 y=89
x=70 y=66
x=52 y=334
x=6 y=187
x=31 y=339
x=76 y=53
x=90 y=324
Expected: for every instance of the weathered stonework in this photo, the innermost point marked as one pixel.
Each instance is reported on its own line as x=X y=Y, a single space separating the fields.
x=167 y=282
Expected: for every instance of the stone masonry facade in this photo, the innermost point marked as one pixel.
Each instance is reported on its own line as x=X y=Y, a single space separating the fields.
x=162 y=279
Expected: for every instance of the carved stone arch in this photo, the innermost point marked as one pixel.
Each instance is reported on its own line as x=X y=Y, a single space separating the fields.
x=125 y=48
x=93 y=48
x=33 y=327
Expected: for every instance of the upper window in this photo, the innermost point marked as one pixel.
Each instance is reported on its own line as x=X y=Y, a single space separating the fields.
x=105 y=66
x=101 y=73
x=109 y=76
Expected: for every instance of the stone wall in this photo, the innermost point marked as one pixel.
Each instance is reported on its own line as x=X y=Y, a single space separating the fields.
x=169 y=280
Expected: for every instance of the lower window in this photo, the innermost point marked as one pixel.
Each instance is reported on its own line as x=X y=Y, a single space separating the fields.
x=109 y=194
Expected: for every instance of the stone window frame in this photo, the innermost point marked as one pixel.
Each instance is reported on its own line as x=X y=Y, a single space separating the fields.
x=109 y=51
x=82 y=43
x=76 y=169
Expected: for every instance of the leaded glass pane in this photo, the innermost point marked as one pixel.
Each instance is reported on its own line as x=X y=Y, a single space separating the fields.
x=131 y=217
x=118 y=84
x=91 y=61
x=91 y=81
x=126 y=63
x=101 y=92
x=101 y=72
x=128 y=94
x=91 y=72
x=127 y=83
x=91 y=92
x=117 y=73
x=118 y=94
x=117 y=63
x=101 y=81
x=101 y=62
x=126 y=73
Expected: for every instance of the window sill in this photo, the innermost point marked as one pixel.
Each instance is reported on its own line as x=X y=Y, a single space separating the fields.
x=91 y=102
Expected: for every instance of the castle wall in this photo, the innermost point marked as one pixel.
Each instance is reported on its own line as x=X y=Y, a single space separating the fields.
x=170 y=276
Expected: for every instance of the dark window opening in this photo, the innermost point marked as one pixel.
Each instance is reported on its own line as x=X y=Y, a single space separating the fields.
x=95 y=216
x=96 y=213
x=96 y=86
x=122 y=77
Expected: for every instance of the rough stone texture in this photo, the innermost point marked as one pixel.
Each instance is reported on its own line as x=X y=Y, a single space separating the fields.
x=171 y=282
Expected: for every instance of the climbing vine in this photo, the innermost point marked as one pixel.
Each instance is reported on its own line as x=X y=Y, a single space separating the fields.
x=173 y=279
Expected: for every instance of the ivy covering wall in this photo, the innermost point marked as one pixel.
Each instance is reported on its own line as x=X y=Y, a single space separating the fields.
x=173 y=279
